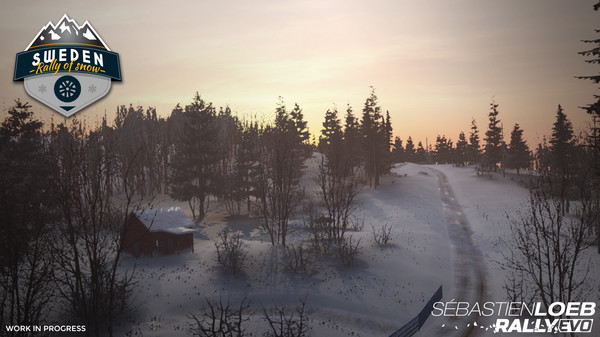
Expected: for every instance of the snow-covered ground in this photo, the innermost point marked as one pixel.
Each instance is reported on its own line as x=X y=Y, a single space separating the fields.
x=383 y=291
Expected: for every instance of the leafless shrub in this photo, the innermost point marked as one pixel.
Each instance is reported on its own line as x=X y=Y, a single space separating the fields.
x=230 y=252
x=348 y=251
x=298 y=259
x=356 y=224
x=317 y=225
x=232 y=196
x=382 y=235
x=284 y=324
x=219 y=319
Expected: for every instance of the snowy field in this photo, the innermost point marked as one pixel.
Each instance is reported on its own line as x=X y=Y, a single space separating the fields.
x=385 y=289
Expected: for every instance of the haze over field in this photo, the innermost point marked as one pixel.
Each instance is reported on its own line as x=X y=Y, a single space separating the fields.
x=435 y=65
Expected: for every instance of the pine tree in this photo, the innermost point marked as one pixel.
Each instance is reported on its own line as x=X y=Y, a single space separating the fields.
x=474 y=151
x=300 y=125
x=420 y=154
x=398 y=154
x=337 y=178
x=229 y=178
x=518 y=151
x=562 y=142
x=282 y=120
x=410 y=151
x=131 y=139
x=562 y=151
x=493 y=140
x=461 y=151
x=278 y=190
x=387 y=130
x=332 y=145
x=387 y=143
x=594 y=110
x=27 y=205
x=352 y=137
x=332 y=130
x=373 y=133
x=442 y=150
x=195 y=158
x=247 y=156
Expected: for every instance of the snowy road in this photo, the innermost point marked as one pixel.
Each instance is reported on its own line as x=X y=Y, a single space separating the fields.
x=470 y=268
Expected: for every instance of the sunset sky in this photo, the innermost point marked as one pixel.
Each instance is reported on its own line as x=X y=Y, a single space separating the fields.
x=434 y=64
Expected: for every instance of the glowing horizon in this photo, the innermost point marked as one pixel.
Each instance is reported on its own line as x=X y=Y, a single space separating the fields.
x=434 y=65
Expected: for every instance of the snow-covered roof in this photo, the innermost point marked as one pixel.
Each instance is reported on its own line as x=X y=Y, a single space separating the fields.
x=170 y=220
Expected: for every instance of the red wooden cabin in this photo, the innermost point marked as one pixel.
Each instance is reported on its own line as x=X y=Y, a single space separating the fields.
x=158 y=231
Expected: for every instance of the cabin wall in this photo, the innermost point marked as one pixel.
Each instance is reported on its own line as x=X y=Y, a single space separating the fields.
x=139 y=241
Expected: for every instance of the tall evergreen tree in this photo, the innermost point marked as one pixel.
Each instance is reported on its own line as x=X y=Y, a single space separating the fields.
x=398 y=154
x=337 y=179
x=26 y=210
x=420 y=154
x=410 y=151
x=493 y=140
x=282 y=118
x=374 y=138
x=300 y=125
x=518 y=151
x=594 y=110
x=278 y=189
x=332 y=130
x=229 y=184
x=461 y=151
x=387 y=143
x=332 y=143
x=443 y=149
x=474 y=151
x=387 y=129
x=195 y=158
x=352 y=137
x=247 y=158
x=562 y=154
x=562 y=142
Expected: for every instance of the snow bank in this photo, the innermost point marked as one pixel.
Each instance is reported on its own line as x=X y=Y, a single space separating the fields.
x=383 y=291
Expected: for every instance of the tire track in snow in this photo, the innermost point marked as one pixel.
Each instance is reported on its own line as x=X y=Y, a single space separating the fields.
x=469 y=265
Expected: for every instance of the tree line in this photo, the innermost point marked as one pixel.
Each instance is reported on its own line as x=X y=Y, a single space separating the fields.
x=67 y=192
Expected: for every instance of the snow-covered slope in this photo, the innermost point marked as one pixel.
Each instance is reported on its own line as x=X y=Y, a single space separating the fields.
x=382 y=292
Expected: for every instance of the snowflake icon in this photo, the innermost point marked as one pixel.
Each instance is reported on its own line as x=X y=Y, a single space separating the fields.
x=92 y=89
x=42 y=89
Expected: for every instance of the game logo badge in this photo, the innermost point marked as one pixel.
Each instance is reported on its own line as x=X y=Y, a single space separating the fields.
x=67 y=66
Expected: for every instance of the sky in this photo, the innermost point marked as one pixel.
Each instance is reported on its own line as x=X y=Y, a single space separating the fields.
x=435 y=65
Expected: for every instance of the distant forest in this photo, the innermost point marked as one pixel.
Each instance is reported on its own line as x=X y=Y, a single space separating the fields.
x=201 y=151
x=86 y=181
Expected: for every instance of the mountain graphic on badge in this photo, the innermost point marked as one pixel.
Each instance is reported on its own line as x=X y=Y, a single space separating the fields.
x=67 y=66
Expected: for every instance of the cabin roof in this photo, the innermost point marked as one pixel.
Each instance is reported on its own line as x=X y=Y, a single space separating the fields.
x=170 y=220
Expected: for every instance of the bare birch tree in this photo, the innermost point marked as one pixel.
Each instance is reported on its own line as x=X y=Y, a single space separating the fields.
x=87 y=249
